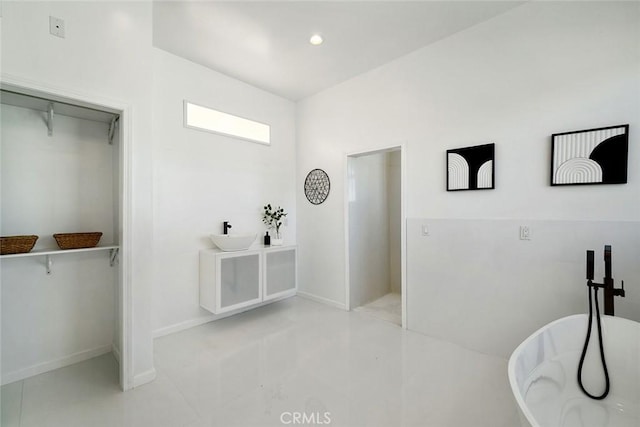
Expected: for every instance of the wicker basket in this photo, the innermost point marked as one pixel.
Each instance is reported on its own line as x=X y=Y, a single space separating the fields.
x=77 y=240
x=17 y=244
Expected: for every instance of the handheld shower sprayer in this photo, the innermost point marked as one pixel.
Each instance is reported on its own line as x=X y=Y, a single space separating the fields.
x=609 y=293
x=590 y=268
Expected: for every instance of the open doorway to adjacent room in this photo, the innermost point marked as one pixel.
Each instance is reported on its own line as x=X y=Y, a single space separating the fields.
x=375 y=230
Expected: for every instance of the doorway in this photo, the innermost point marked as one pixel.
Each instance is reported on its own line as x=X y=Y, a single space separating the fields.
x=375 y=234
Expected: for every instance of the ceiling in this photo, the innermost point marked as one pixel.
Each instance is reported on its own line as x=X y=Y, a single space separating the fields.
x=266 y=44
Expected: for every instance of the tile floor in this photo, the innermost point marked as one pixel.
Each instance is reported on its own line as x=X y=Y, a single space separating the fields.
x=293 y=356
x=388 y=307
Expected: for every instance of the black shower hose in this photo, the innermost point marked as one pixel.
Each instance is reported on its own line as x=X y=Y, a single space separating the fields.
x=586 y=345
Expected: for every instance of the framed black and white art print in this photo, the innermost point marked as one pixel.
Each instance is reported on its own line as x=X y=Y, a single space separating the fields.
x=592 y=156
x=471 y=168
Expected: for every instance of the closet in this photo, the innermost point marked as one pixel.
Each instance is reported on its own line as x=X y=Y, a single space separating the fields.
x=60 y=172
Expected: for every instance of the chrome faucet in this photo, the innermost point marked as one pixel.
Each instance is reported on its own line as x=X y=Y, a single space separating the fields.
x=225 y=227
x=608 y=286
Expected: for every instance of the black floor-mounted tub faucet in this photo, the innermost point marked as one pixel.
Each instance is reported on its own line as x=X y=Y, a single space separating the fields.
x=609 y=293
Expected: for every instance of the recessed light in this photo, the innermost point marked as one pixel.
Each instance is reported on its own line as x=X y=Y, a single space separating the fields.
x=316 y=39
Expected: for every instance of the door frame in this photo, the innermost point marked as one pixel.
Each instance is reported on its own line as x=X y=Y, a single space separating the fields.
x=124 y=353
x=403 y=240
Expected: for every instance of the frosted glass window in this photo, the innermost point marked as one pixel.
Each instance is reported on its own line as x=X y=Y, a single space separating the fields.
x=208 y=119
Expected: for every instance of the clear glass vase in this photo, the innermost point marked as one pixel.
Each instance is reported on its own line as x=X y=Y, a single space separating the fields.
x=277 y=239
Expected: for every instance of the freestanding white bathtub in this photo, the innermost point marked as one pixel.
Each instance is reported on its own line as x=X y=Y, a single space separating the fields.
x=543 y=375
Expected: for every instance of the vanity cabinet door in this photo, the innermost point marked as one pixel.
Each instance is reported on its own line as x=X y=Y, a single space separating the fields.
x=280 y=273
x=238 y=281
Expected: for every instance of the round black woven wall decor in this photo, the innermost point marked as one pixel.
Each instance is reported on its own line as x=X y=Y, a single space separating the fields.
x=317 y=186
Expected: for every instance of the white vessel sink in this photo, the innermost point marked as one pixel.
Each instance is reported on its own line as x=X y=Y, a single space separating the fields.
x=233 y=242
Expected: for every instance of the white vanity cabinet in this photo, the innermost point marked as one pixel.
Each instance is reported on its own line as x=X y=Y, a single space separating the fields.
x=234 y=280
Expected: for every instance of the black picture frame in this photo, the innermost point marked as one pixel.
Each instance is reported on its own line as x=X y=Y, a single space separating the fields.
x=471 y=168
x=597 y=156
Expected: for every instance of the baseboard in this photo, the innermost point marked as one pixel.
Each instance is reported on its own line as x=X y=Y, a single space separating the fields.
x=116 y=352
x=144 y=378
x=178 y=327
x=322 y=300
x=41 y=368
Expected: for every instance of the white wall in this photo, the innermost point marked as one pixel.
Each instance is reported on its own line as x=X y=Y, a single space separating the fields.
x=107 y=55
x=475 y=283
x=394 y=192
x=63 y=183
x=541 y=68
x=202 y=179
x=369 y=257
